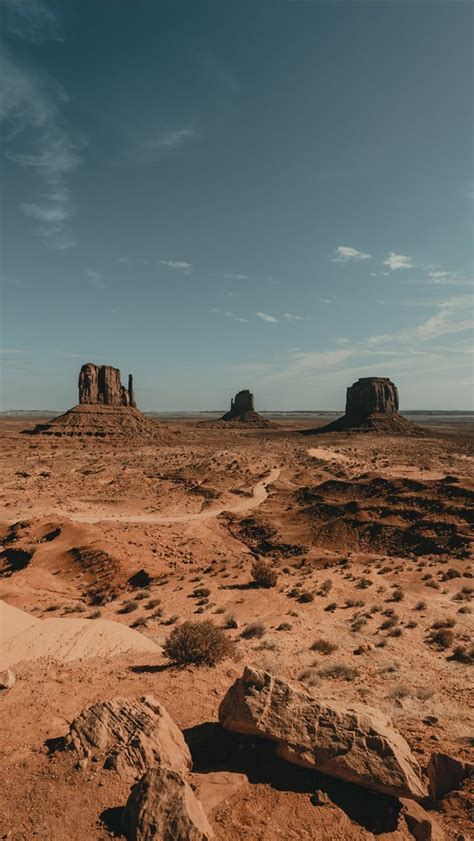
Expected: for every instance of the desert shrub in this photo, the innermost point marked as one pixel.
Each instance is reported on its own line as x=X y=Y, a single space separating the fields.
x=171 y=619
x=220 y=609
x=309 y=676
x=358 y=623
x=421 y=606
x=400 y=691
x=465 y=609
x=306 y=597
x=433 y=584
x=140 y=596
x=96 y=614
x=462 y=654
x=323 y=646
x=158 y=613
x=331 y=607
x=412 y=624
x=256 y=630
x=203 y=601
x=389 y=623
x=128 y=606
x=364 y=583
x=284 y=626
x=398 y=595
x=443 y=637
x=139 y=622
x=340 y=671
x=231 y=621
x=263 y=573
x=201 y=643
x=325 y=587
x=449 y=622
x=152 y=603
x=395 y=632
x=201 y=592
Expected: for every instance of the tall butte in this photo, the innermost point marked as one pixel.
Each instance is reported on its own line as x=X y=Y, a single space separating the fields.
x=371 y=404
x=242 y=410
x=106 y=407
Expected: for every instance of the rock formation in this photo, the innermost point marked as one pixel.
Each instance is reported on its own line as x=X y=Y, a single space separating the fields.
x=163 y=807
x=371 y=404
x=130 y=736
x=357 y=744
x=105 y=408
x=101 y=384
x=242 y=410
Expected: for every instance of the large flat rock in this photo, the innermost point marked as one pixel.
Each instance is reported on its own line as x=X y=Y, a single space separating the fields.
x=357 y=744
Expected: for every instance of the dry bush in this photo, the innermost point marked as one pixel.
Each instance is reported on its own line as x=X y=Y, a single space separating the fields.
x=331 y=607
x=309 y=676
x=420 y=606
x=339 y=670
x=323 y=646
x=358 y=623
x=306 y=597
x=398 y=595
x=400 y=691
x=201 y=591
x=443 y=637
x=264 y=574
x=231 y=621
x=284 y=626
x=462 y=654
x=128 y=606
x=139 y=622
x=449 y=622
x=325 y=587
x=256 y=630
x=201 y=643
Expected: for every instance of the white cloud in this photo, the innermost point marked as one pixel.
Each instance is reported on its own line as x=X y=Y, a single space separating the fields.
x=236 y=276
x=266 y=317
x=343 y=341
x=156 y=148
x=344 y=253
x=290 y=317
x=30 y=113
x=398 y=261
x=181 y=265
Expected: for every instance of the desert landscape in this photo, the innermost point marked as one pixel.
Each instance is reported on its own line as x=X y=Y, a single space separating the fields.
x=331 y=569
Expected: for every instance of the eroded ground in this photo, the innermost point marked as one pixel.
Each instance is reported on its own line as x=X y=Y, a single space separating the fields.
x=371 y=537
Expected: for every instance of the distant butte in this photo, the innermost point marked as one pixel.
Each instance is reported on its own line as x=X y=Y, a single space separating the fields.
x=371 y=405
x=242 y=410
x=105 y=408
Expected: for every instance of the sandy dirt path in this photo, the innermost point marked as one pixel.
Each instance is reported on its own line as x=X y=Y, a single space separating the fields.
x=259 y=495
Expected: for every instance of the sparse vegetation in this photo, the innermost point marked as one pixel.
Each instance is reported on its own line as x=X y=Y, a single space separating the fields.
x=264 y=574
x=442 y=637
x=128 y=606
x=255 y=630
x=340 y=671
x=231 y=621
x=306 y=597
x=200 y=643
x=323 y=646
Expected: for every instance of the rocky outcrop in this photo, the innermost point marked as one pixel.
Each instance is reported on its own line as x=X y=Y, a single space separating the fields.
x=130 y=736
x=357 y=744
x=162 y=806
x=446 y=773
x=421 y=825
x=369 y=395
x=371 y=404
x=242 y=410
x=101 y=384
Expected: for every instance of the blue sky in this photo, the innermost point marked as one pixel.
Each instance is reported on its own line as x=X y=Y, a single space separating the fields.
x=214 y=196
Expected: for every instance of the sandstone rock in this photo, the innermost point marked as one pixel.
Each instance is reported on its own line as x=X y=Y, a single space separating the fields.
x=7 y=679
x=163 y=807
x=101 y=384
x=369 y=395
x=320 y=798
x=446 y=773
x=420 y=823
x=357 y=744
x=130 y=735
x=371 y=404
x=242 y=410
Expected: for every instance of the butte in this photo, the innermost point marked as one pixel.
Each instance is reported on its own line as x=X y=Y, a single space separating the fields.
x=371 y=406
x=105 y=408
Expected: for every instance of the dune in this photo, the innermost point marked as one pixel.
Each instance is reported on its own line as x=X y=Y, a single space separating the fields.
x=68 y=640
x=13 y=621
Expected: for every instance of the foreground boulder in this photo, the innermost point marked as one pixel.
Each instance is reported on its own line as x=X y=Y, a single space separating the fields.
x=420 y=823
x=163 y=807
x=357 y=744
x=446 y=773
x=130 y=736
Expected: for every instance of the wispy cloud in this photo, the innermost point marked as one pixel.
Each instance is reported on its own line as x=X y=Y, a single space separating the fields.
x=398 y=261
x=290 y=317
x=180 y=265
x=29 y=20
x=266 y=317
x=343 y=341
x=35 y=136
x=344 y=253
x=230 y=276
x=159 y=146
